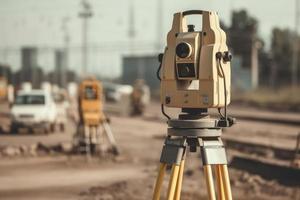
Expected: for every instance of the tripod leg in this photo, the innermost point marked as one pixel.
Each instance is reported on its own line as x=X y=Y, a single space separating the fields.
x=93 y=139
x=172 y=154
x=110 y=137
x=173 y=182
x=209 y=182
x=179 y=181
x=90 y=140
x=98 y=139
x=87 y=142
x=159 y=181
x=220 y=184
x=226 y=182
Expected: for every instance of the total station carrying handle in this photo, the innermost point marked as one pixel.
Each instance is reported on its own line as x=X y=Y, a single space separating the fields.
x=192 y=12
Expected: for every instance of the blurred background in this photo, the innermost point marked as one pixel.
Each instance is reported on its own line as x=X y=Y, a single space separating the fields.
x=52 y=45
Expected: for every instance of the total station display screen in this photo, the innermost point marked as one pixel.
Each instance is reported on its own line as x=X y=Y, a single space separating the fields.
x=186 y=70
x=90 y=93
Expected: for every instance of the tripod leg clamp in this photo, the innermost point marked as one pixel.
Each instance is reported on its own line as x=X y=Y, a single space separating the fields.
x=213 y=152
x=173 y=151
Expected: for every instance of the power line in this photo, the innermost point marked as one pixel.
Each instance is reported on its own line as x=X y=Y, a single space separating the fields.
x=109 y=46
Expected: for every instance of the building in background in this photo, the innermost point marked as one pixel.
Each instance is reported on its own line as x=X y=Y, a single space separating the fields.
x=245 y=44
x=60 y=66
x=61 y=75
x=240 y=75
x=5 y=71
x=29 y=65
x=140 y=67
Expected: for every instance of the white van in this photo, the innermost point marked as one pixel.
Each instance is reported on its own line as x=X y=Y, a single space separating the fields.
x=34 y=109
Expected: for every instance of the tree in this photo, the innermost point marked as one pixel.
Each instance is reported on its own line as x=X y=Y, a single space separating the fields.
x=282 y=51
x=274 y=64
x=242 y=34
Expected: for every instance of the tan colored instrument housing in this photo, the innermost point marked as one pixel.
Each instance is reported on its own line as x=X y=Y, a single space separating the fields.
x=207 y=89
x=91 y=110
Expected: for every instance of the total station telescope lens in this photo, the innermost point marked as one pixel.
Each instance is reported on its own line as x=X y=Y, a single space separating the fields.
x=183 y=50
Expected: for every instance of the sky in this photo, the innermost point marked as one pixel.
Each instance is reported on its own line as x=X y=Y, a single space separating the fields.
x=39 y=23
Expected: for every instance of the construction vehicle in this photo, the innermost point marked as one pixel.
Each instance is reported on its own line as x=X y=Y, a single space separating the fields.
x=140 y=97
x=34 y=109
x=93 y=124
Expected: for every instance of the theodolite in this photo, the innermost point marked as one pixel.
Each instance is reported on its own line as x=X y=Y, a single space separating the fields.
x=195 y=76
x=92 y=121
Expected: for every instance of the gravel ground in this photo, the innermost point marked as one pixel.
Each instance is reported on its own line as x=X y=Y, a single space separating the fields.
x=132 y=174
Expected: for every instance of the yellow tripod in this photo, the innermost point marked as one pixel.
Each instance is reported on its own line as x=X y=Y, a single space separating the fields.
x=193 y=134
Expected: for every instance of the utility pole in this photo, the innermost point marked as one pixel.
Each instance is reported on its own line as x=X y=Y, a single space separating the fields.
x=66 y=39
x=159 y=25
x=256 y=45
x=231 y=5
x=85 y=14
x=131 y=27
x=294 y=68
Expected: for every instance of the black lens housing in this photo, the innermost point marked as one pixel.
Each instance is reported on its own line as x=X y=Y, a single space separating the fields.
x=183 y=50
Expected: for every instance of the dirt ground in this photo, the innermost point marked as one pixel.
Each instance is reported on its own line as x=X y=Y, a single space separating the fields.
x=132 y=174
